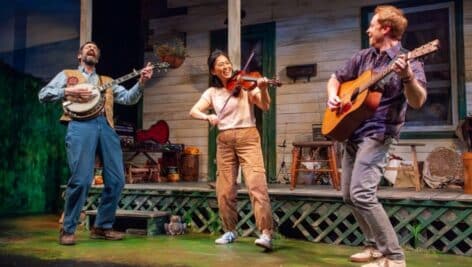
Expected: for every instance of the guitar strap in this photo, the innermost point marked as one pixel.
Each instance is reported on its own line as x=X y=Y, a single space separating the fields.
x=100 y=83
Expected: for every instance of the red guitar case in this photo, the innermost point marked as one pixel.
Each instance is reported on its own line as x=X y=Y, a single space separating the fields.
x=158 y=132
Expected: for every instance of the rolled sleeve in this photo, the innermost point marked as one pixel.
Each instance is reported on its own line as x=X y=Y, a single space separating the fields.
x=417 y=67
x=207 y=96
x=54 y=90
x=127 y=97
x=349 y=70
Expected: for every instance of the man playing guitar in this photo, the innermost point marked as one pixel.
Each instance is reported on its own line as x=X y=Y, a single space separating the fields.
x=89 y=135
x=368 y=145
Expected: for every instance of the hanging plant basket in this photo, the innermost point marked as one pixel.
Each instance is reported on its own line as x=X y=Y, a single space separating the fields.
x=174 y=61
x=173 y=52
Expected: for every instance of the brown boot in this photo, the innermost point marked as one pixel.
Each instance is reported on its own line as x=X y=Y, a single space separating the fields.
x=108 y=234
x=66 y=239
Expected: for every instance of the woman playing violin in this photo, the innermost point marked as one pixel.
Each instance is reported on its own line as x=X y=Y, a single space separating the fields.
x=238 y=144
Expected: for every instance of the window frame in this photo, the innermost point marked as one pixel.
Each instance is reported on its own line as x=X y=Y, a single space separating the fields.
x=458 y=92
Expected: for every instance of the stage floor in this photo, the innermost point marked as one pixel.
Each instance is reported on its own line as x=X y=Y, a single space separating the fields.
x=31 y=241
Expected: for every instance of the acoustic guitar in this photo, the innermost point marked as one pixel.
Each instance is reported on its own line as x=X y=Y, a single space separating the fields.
x=359 y=100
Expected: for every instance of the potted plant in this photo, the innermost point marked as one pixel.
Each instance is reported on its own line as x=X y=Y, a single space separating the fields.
x=173 y=52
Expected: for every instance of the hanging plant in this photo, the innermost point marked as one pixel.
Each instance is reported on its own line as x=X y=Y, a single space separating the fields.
x=173 y=52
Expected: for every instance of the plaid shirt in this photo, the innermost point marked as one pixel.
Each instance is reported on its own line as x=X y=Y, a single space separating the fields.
x=390 y=115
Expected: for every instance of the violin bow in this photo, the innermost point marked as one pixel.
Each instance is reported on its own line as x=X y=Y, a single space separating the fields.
x=249 y=59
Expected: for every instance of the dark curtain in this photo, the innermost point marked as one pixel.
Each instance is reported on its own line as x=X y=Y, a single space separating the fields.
x=32 y=153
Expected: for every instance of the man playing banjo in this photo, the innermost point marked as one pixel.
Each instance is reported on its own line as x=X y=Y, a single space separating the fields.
x=89 y=133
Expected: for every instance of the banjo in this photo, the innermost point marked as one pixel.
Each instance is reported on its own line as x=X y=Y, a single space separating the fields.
x=86 y=110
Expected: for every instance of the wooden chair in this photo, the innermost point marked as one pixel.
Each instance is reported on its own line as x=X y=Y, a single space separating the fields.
x=414 y=160
x=332 y=165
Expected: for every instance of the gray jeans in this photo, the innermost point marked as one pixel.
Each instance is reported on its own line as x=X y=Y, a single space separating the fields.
x=360 y=178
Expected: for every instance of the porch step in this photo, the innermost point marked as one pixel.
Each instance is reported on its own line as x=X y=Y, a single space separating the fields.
x=134 y=221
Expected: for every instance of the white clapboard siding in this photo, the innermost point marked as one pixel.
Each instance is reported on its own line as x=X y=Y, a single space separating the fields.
x=325 y=32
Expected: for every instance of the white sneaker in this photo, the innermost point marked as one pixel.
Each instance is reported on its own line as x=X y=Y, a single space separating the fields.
x=226 y=238
x=264 y=241
x=367 y=255
x=385 y=262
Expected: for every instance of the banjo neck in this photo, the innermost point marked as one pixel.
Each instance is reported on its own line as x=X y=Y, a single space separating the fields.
x=85 y=110
x=134 y=73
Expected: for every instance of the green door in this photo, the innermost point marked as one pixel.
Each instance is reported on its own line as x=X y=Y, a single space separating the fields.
x=261 y=39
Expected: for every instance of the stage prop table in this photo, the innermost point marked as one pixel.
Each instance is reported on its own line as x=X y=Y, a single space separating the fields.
x=171 y=157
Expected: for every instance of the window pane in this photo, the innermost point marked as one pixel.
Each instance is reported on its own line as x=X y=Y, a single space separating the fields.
x=425 y=26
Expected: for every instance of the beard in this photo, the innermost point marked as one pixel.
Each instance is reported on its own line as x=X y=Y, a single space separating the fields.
x=90 y=60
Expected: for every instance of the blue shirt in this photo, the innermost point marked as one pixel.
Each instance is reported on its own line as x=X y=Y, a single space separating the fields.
x=390 y=114
x=54 y=90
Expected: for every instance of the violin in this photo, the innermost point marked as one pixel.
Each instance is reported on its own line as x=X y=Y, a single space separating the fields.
x=247 y=81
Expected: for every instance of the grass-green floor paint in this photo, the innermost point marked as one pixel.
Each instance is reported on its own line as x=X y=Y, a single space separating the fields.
x=36 y=237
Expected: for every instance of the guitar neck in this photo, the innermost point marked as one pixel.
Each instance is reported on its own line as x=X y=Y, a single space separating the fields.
x=376 y=77
x=416 y=53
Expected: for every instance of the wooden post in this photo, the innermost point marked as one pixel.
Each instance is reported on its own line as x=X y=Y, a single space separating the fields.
x=234 y=32
x=85 y=21
x=415 y=168
x=333 y=166
x=296 y=154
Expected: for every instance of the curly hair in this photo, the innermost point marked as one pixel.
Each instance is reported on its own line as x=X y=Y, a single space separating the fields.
x=390 y=16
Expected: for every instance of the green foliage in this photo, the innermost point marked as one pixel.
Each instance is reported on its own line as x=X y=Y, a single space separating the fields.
x=33 y=161
x=416 y=232
x=187 y=219
x=214 y=223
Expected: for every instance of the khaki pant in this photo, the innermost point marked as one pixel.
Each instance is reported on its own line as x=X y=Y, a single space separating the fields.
x=242 y=147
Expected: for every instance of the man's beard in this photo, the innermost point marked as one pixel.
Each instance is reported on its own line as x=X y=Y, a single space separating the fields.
x=90 y=60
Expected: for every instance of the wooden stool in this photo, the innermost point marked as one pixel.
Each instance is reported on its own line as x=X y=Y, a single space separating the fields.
x=414 y=159
x=296 y=159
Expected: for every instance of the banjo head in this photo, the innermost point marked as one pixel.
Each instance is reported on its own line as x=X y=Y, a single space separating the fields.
x=79 y=108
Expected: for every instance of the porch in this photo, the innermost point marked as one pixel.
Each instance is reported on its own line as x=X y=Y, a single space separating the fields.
x=440 y=220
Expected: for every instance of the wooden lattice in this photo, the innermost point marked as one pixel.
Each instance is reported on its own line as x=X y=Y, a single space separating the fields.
x=441 y=225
